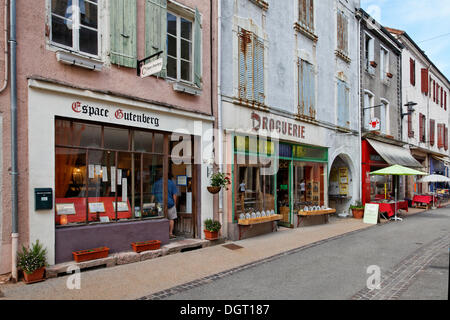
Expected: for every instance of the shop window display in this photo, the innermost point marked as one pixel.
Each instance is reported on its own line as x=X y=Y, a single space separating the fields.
x=109 y=174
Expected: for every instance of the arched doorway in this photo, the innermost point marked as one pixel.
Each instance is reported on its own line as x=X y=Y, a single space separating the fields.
x=341 y=184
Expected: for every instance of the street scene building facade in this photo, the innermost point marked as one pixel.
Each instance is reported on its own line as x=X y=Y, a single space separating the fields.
x=382 y=142
x=425 y=126
x=289 y=100
x=114 y=115
x=101 y=151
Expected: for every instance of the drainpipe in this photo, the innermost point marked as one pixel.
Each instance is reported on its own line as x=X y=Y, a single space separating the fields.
x=219 y=100
x=5 y=82
x=14 y=171
x=361 y=106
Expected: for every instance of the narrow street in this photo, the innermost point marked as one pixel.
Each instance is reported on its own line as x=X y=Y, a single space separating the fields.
x=412 y=256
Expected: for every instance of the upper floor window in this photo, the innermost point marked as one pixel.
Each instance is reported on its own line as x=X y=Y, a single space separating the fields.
x=343 y=104
x=179 y=48
x=384 y=117
x=342 y=33
x=412 y=71
x=306 y=89
x=74 y=25
x=306 y=14
x=384 y=63
x=251 y=67
x=368 y=51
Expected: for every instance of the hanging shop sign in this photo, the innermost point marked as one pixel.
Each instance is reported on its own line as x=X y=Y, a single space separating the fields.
x=269 y=124
x=374 y=124
x=151 y=68
x=115 y=114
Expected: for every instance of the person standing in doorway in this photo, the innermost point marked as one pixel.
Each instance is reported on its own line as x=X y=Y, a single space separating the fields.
x=172 y=192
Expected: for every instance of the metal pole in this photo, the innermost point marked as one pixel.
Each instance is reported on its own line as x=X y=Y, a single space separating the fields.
x=14 y=170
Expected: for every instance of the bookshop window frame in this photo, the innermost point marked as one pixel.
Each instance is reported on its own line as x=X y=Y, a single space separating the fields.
x=135 y=160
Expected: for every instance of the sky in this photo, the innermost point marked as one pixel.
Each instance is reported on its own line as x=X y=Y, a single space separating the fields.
x=427 y=22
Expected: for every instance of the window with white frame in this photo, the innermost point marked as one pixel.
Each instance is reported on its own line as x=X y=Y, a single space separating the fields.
x=179 y=48
x=384 y=63
x=74 y=25
x=368 y=50
x=368 y=110
x=384 y=117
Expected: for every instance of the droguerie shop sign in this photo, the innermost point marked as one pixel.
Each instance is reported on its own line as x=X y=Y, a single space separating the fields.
x=114 y=114
x=270 y=124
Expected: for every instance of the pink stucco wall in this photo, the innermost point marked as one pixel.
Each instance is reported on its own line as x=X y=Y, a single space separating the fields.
x=34 y=59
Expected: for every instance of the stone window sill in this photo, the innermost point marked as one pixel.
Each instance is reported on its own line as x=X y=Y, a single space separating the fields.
x=187 y=88
x=306 y=32
x=343 y=56
x=262 y=4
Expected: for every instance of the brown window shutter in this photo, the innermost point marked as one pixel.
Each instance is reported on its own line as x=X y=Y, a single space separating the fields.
x=410 y=130
x=434 y=91
x=424 y=80
x=445 y=138
x=412 y=73
x=440 y=135
x=431 y=132
x=420 y=127
x=445 y=100
x=442 y=97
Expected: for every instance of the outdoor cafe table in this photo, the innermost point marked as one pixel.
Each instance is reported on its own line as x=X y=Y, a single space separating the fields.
x=422 y=198
x=389 y=207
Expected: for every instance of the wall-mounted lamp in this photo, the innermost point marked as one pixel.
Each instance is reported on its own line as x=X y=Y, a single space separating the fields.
x=410 y=106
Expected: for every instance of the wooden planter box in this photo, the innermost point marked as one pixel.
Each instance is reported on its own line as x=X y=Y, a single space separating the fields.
x=90 y=254
x=146 y=245
x=36 y=276
x=209 y=235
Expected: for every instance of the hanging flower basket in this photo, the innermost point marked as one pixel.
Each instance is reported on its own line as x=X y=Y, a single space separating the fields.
x=146 y=245
x=219 y=180
x=90 y=254
x=214 y=189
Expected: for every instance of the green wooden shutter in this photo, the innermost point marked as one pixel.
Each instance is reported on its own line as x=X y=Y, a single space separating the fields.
x=197 y=49
x=156 y=30
x=123 y=32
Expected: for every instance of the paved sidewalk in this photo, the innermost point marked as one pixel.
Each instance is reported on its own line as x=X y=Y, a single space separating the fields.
x=136 y=280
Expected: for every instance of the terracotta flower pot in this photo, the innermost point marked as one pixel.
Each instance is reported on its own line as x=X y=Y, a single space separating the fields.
x=90 y=254
x=146 y=245
x=389 y=75
x=373 y=64
x=211 y=235
x=358 y=213
x=213 y=190
x=36 y=276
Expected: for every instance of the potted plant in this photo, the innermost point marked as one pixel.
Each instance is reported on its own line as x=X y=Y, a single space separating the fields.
x=146 y=245
x=373 y=64
x=357 y=210
x=219 y=180
x=389 y=75
x=90 y=254
x=33 y=262
x=212 y=228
